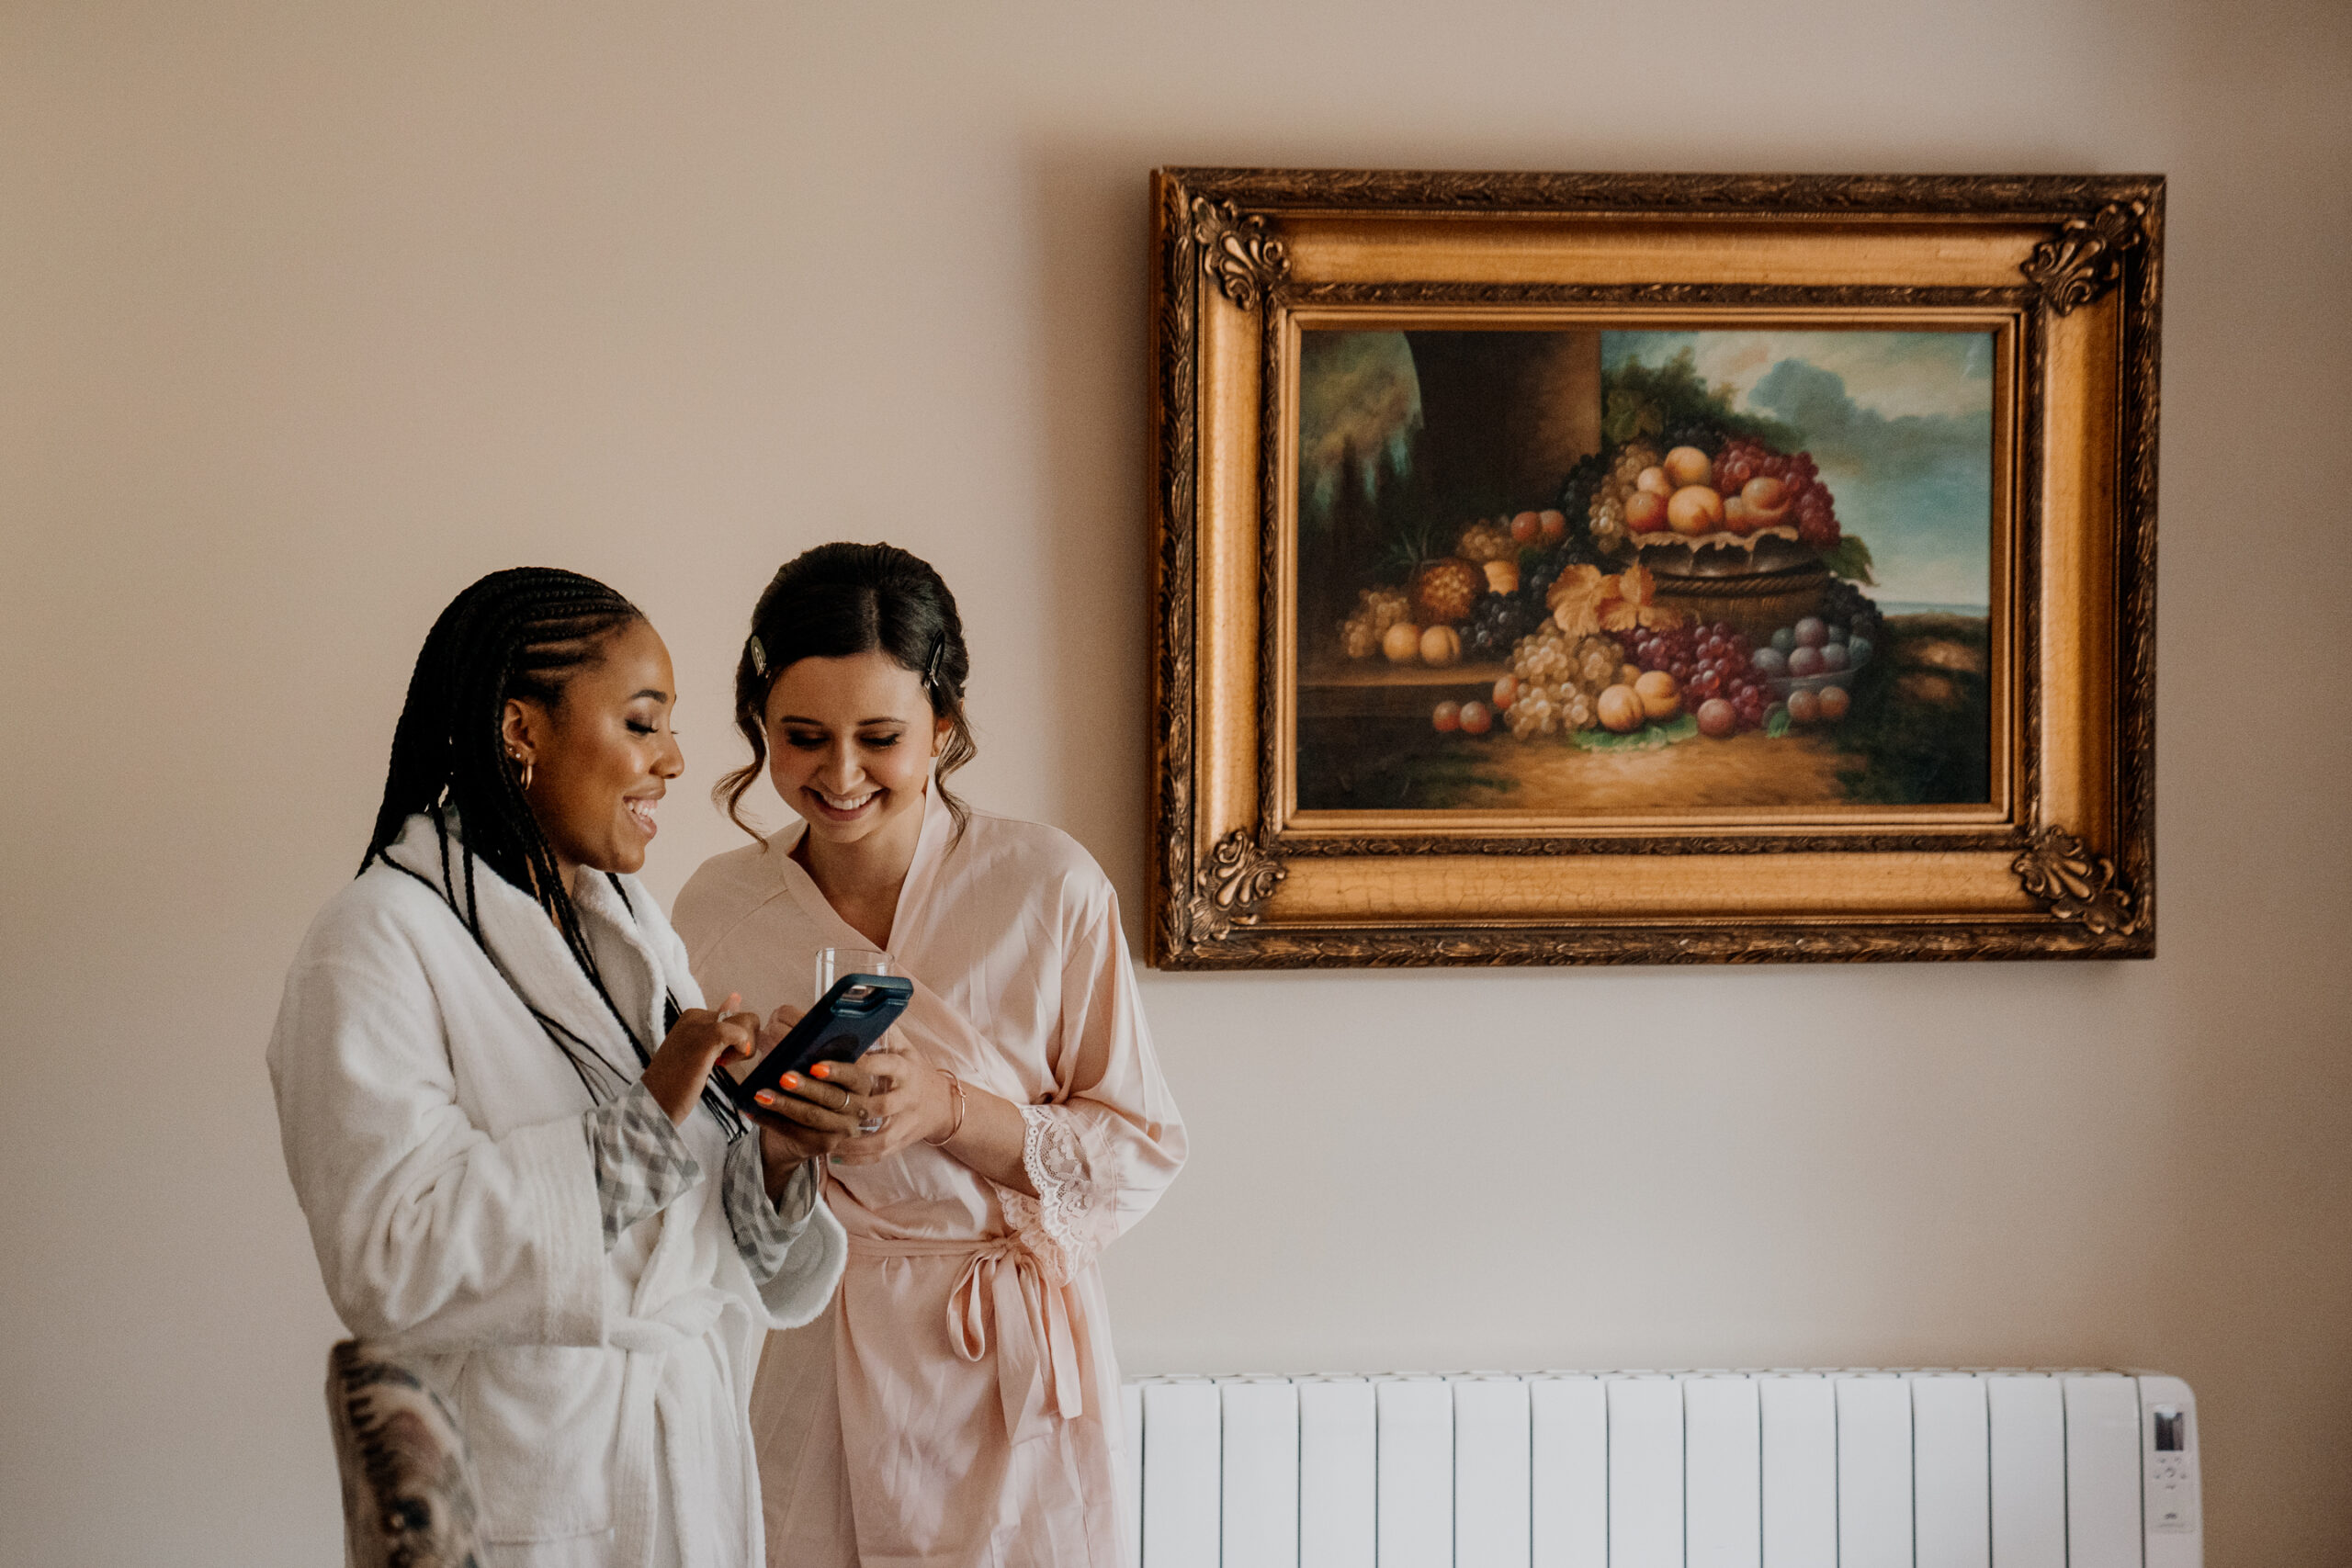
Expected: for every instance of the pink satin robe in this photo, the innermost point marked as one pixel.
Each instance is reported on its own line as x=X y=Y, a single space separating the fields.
x=957 y=1404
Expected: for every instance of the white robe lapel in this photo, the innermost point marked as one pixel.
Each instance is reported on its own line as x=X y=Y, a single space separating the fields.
x=529 y=951
x=632 y=973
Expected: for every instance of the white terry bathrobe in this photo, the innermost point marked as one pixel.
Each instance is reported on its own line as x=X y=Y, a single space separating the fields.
x=434 y=1134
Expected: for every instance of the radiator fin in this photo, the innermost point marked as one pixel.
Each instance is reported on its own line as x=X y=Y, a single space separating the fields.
x=1491 y=1455
x=1131 y=1468
x=1645 y=1472
x=1800 y=1423
x=2029 y=1463
x=1339 y=1469
x=1952 y=1487
x=1182 y=1438
x=2102 y=1473
x=1416 y=1519
x=1260 y=1500
x=1568 y=1463
x=1722 y=1448
x=1873 y=1472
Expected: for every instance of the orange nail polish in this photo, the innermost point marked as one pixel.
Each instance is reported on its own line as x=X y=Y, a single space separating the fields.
x=765 y=1098
x=821 y=1070
x=791 y=1080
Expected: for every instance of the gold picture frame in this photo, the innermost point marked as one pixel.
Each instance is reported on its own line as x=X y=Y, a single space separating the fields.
x=1292 y=828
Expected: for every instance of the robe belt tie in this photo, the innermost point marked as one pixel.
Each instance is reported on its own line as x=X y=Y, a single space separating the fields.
x=1037 y=1353
x=645 y=1398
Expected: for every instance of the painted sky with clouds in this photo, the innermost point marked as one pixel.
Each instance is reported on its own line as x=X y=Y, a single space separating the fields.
x=1900 y=424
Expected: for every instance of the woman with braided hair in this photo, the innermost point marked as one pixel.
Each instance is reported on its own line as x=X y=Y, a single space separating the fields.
x=492 y=1072
x=957 y=1404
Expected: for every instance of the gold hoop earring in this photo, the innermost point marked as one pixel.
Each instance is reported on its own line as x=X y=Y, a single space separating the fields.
x=524 y=779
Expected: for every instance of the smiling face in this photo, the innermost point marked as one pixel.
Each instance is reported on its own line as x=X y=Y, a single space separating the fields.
x=850 y=744
x=603 y=756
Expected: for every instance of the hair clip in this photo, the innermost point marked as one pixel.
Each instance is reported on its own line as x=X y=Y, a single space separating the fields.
x=759 y=658
x=931 y=674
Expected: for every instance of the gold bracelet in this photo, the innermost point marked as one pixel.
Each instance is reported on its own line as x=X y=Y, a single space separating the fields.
x=957 y=1085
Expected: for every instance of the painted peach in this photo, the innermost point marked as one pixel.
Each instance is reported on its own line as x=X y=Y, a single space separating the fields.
x=1767 y=499
x=1660 y=697
x=1689 y=466
x=1620 y=709
x=1695 y=509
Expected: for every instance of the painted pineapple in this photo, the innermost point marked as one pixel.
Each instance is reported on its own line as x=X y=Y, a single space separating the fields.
x=1445 y=590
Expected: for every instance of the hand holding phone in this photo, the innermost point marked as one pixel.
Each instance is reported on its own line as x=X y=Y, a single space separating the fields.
x=842 y=1027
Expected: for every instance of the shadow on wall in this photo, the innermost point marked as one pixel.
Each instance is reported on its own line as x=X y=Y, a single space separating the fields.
x=1086 y=205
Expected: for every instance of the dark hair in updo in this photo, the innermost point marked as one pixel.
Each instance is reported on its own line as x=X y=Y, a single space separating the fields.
x=837 y=601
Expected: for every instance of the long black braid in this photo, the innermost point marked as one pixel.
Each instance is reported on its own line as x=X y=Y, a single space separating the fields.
x=521 y=633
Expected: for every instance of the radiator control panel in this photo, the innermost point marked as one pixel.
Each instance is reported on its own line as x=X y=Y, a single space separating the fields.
x=2169 y=1443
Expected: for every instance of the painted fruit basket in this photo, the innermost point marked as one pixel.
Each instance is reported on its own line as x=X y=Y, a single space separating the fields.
x=1752 y=582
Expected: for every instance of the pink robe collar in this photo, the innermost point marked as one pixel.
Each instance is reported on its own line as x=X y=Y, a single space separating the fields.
x=908 y=921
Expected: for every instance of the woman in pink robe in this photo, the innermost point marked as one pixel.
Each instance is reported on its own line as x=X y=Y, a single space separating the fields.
x=957 y=1403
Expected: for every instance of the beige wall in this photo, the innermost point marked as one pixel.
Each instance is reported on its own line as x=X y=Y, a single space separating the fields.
x=310 y=314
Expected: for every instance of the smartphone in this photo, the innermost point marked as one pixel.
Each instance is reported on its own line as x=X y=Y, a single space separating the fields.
x=841 y=1028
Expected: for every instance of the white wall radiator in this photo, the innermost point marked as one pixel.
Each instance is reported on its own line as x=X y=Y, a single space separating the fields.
x=1646 y=1470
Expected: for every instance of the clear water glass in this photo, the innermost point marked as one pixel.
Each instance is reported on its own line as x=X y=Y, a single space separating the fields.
x=833 y=963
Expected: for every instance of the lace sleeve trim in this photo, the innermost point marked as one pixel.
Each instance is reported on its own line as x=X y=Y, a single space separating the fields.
x=1055 y=1222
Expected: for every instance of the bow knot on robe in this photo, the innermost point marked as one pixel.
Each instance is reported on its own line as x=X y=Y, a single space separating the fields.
x=1036 y=1349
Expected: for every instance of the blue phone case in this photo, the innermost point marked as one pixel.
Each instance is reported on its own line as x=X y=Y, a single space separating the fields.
x=841 y=1028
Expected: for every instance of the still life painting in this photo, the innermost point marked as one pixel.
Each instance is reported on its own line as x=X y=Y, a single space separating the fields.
x=1593 y=571
x=1605 y=568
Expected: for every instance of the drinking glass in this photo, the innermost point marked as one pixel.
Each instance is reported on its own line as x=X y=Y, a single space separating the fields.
x=833 y=963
